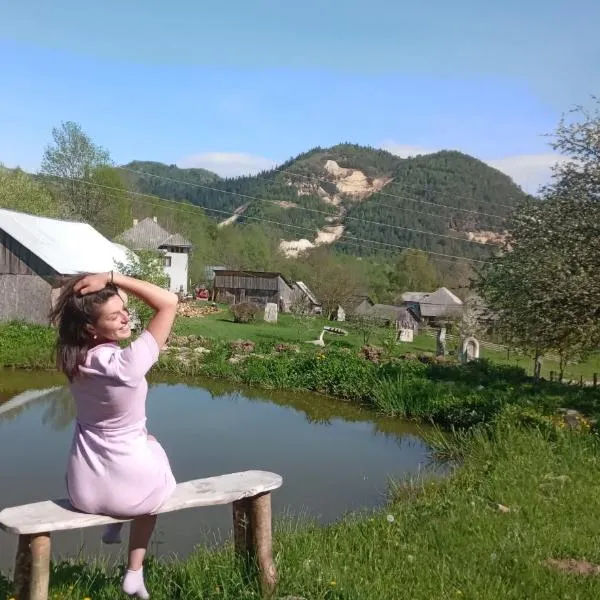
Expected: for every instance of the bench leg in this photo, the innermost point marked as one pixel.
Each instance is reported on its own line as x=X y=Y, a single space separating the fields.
x=40 y=566
x=22 y=568
x=242 y=528
x=252 y=535
x=262 y=539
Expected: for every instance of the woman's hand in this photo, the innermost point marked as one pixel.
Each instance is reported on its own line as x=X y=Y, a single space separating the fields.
x=91 y=283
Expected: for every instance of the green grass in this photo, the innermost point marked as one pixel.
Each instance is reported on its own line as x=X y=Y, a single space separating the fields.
x=31 y=346
x=434 y=541
x=291 y=329
x=28 y=346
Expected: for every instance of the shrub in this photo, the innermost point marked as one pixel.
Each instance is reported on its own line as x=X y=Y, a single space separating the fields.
x=244 y=312
x=27 y=345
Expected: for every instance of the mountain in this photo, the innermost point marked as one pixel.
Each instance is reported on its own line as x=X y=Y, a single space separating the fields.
x=363 y=200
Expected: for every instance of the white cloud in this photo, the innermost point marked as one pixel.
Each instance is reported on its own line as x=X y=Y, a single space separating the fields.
x=405 y=150
x=228 y=164
x=530 y=171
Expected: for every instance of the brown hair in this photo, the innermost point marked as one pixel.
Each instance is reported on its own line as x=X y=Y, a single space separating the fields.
x=72 y=314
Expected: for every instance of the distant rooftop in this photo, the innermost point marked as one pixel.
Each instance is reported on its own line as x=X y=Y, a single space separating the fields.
x=147 y=234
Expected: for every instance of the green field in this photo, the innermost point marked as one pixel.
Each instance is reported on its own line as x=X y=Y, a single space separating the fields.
x=299 y=330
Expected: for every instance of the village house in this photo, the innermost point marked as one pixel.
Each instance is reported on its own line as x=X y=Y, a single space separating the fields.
x=362 y=305
x=399 y=316
x=434 y=307
x=37 y=252
x=257 y=287
x=387 y=315
x=147 y=234
x=305 y=302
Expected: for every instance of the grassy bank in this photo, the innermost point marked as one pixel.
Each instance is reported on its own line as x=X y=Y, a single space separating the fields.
x=433 y=541
x=30 y=346
x=299 y=330
x=527 y=490
x=410 y=386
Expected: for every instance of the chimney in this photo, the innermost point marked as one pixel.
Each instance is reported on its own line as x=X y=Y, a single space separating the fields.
x=135 y=222
x=155 y=219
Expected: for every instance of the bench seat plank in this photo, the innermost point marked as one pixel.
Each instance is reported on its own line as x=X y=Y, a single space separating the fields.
x=59 y=515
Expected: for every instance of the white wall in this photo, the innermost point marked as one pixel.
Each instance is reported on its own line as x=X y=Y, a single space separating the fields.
x=178 y=271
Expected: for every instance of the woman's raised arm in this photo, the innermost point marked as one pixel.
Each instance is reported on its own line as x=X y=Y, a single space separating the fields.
x=162 y=301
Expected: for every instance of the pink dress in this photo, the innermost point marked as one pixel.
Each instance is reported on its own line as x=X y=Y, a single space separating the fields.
x=113 y=469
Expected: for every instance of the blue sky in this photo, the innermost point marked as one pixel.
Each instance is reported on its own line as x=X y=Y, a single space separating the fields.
x=237 y=86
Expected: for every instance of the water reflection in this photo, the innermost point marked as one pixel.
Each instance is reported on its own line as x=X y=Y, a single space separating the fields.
x=59 y=407
x=335 y=457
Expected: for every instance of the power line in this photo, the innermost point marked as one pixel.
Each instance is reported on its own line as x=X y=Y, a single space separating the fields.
x=275 y=202
x=180 y=181
x=187 y=204
x=184 y=205
x=376 y=203
x=456 y=208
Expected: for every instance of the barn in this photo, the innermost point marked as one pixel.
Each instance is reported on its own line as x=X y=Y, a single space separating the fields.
x=258 y=287
x=36 y=252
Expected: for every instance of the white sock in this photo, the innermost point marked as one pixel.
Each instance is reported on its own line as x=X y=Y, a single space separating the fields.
x=133 y=584
x=112 y=533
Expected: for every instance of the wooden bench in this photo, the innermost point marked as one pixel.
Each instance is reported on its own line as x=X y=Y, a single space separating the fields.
x=248 y=491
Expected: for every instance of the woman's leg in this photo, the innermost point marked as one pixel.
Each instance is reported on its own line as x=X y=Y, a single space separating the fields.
x=139 y=538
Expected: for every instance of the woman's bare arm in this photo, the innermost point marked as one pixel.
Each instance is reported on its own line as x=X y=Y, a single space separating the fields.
x=162 y=301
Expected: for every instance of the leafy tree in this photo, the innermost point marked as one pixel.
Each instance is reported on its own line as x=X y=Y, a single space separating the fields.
x=414 y=271
x=146 y=265
x=82 y=177
x=19 y=191
x=335 y=282
x=544 y=290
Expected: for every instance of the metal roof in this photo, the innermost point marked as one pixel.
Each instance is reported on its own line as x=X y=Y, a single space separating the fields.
x=68 y=247
x=149 y=235
x=440 y=303
x=306 y=290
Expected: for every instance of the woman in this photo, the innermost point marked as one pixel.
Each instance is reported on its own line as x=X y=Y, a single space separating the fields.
x=115 y=468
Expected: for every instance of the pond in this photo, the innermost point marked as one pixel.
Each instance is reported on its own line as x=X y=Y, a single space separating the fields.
x=335 y=457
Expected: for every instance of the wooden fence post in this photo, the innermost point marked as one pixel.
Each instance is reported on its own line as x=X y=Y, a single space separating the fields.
x=595 y=379
x=551 y=375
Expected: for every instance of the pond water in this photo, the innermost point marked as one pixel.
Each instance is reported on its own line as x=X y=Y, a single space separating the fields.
x=335 y=457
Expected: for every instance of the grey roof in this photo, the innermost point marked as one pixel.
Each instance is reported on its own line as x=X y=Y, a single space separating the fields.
x=414 y=296
x=149 y=235
x=441 y=303
x=392 y=313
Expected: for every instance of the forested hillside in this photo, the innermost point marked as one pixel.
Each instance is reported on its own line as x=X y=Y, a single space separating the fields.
x=362 y=199
x=347 y=217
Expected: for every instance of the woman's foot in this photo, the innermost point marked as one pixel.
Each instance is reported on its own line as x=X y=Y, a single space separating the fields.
x=112 y=533
x=133 y=584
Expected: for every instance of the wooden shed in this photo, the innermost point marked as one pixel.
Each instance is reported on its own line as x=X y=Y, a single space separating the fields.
x=258 y=287
x=36 y=252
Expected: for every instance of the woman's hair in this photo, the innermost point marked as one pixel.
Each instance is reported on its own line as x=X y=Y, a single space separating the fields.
x=72 y=314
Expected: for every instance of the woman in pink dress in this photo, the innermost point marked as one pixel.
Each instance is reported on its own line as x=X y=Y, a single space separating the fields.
x=115 y=467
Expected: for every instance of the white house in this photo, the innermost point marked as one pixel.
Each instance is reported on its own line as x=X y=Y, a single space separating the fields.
x=36 y=252
x=147 y=234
